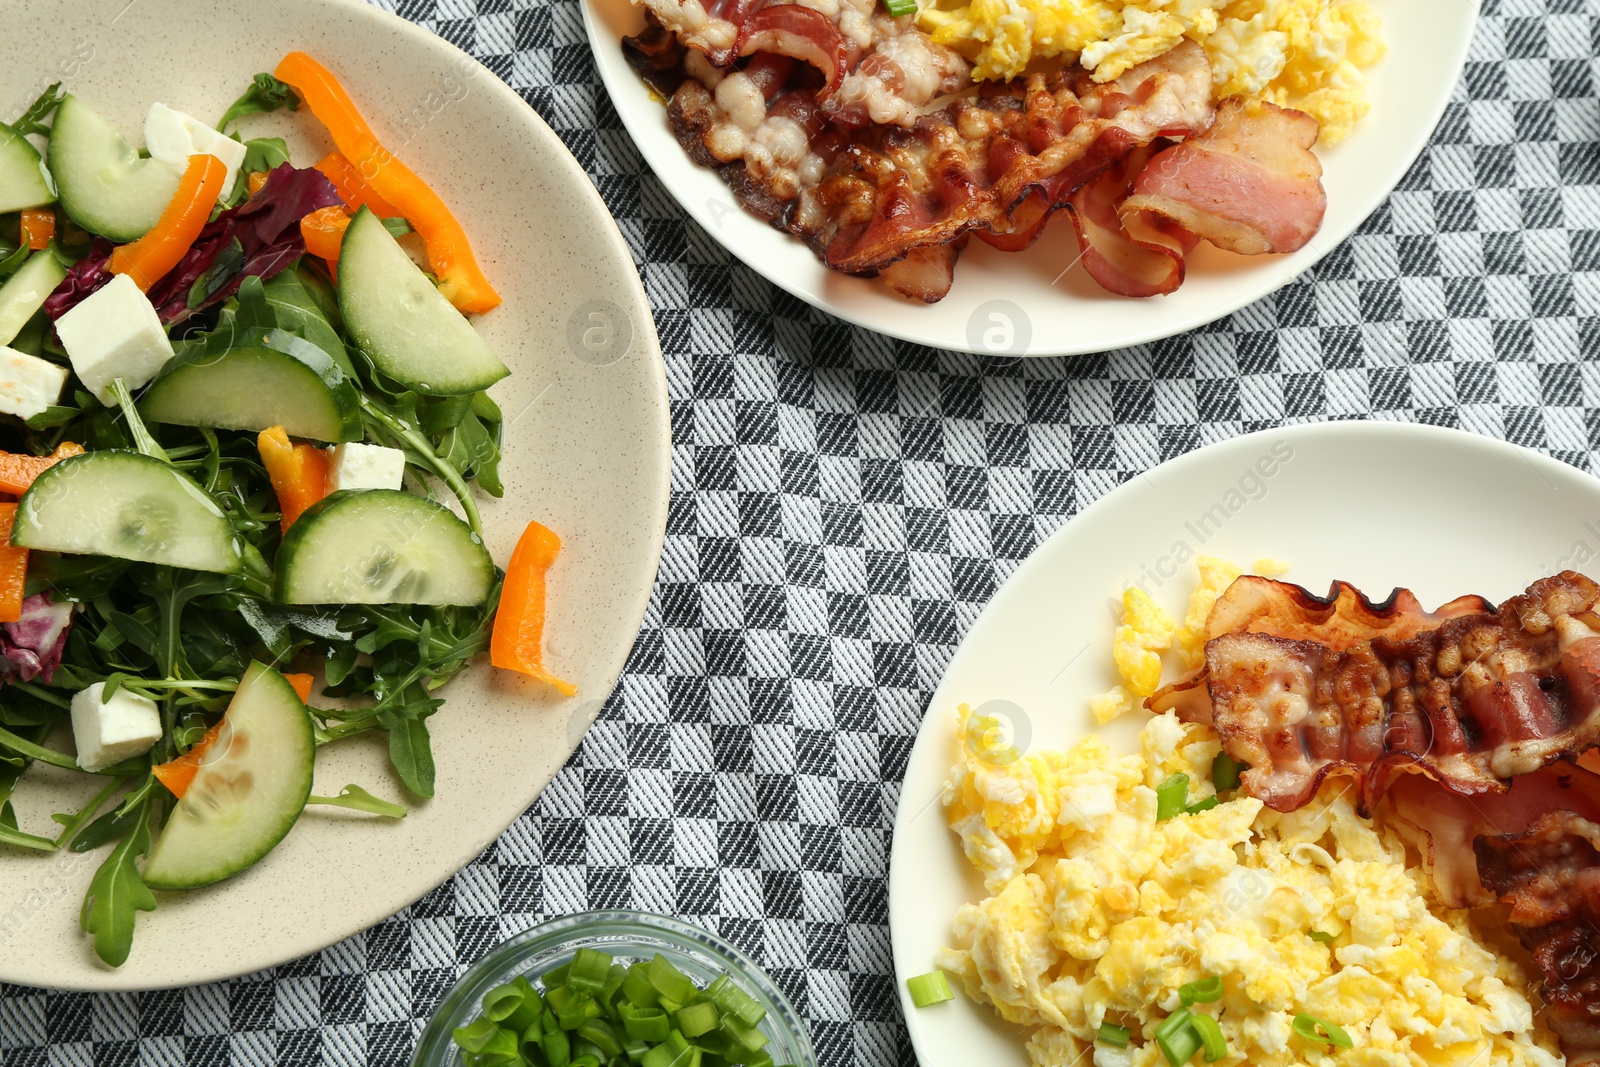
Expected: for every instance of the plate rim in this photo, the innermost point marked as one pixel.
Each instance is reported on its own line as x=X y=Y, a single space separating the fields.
x=203 y=968
x=1272 y=281
x=931 y=723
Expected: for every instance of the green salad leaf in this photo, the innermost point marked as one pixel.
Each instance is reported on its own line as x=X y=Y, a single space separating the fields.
x=117 y=894
x=355 y=798
x=265 y=94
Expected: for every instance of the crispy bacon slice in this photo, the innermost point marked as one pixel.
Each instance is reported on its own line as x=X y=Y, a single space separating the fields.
x=802 y=33
x=1477 y=699
x=865 y=199
x=1144 y=257
x=1250 y=184
x=1534 y=848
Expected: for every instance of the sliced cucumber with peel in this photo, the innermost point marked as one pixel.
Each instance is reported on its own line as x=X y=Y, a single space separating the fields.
x=382 y=546
x=407 y=329
x=24 y=181
x=126 y=505
x=253 y=381
x=25 y=291
x=101 y=181
x=251 y=786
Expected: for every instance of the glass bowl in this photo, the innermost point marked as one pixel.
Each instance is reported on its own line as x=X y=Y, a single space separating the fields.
x=628 y=936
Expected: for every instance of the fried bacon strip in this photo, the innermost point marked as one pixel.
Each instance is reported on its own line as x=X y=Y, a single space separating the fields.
x=1143 y=255
x=1249 y=184
x=1470 y=701
x=1534 y=848
x=996 y=163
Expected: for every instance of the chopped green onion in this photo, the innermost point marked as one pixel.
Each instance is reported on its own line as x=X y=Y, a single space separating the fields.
x=1113 y=1035
x=588 y=1059
x=589 y=970
x=614 y=980
x=1203 y=805
x=637 y=988
x=556 y=976
x=735 y=1001
x=1322 y=936
x=598 y=1033
x=556 y=1044
x=1207 y=990
x=1172 y=796
x=1321 y=1031
x=1175 y=1021
x=1178 y=1040
x=1212 y=1042
x=579 y=1012
x=696 y=1019
x=930 y=988
x=670 y=982
x=1225 y=772
x=747 y=1036
x=645 y=1024
x=897 y=8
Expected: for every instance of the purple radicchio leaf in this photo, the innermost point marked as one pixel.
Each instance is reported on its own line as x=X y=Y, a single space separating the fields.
x=266 y=228
x=86 y=275
x=32 y=646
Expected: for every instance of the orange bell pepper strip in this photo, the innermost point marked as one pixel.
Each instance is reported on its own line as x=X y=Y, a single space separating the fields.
x=323 y=232
x=38 y=226
x=13 y=568
x=461 y=280
x=18 y=470
x=302 y=685
x=299 y=473
x=178 y=774
x=517 y=642
x=149 y=258
x=254 y=181
x=353 y=189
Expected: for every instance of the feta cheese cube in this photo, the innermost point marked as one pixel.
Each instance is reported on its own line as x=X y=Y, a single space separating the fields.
x=358 y=466
x=109 y=732
x=114 y=333
x=172 y=137
x=28 y=384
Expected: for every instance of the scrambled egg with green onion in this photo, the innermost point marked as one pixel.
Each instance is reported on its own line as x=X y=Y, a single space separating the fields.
x=1305 y=54
x=1097 y=912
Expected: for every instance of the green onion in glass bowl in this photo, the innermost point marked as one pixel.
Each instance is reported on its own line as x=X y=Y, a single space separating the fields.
x=614 y=988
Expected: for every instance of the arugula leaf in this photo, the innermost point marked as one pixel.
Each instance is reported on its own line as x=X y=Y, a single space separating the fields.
x=213 y=279
x=32 y=120
x=14 y=259
x=10 y=835
x=265 y=94
x=409 y=747
x=357 y=799
x=117 y=894
x=397 y=226
x=261 y=154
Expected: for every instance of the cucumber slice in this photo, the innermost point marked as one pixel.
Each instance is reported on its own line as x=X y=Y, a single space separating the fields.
x=252 y=785
x=103 y=184
x=382 y=546
x=25 y=291
x=396 y=316
x=127 y=505
x=262 y=378
x=24 y=181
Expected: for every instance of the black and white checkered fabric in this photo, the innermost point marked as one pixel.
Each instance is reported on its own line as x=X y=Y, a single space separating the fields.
x=843 y=505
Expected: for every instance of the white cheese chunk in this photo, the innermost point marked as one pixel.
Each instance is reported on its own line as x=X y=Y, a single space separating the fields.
x=172 y=137
x=111 y=731
x=114 y=333
x=28 y=384
x=358 y=466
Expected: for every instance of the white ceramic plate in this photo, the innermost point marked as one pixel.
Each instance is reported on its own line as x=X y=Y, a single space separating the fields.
x=1031 y=303
x=1381 y=505
x=586 y=453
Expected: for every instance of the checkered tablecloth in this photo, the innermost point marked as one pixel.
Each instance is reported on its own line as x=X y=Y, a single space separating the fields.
x=842 y=507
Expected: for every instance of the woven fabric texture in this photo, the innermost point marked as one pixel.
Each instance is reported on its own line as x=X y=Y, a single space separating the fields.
x=842 y=507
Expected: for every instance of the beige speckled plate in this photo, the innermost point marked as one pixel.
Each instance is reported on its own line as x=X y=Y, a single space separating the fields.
x=586 y=453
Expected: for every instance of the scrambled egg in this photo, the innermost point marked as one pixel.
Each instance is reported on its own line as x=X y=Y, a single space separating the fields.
x=1098 y=913
x=1305 y=54
x=1147 y=631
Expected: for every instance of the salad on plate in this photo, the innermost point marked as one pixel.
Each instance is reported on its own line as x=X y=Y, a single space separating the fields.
x=243 y=416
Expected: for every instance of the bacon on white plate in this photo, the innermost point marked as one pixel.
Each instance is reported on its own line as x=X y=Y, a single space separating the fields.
x=1534 y=848
x=1477 y=699
x=1140 y=255
x=1250 y=184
